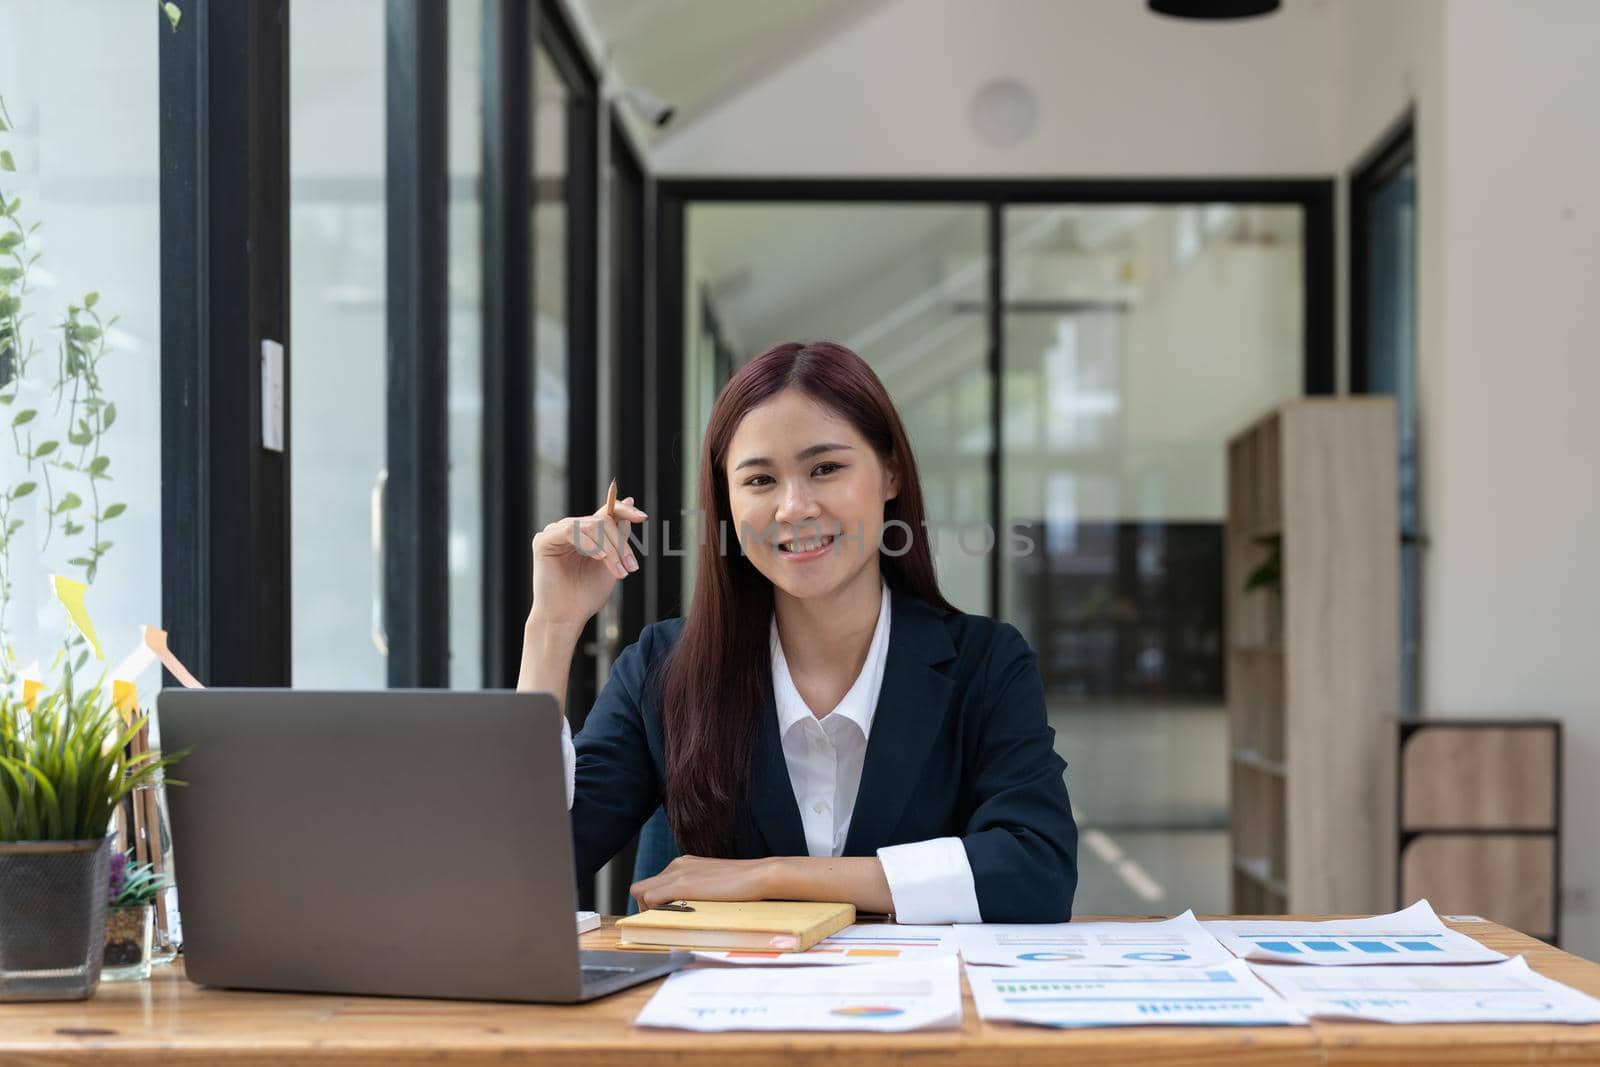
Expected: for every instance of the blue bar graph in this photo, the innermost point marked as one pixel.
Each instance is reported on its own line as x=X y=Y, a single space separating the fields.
x=1301 y=944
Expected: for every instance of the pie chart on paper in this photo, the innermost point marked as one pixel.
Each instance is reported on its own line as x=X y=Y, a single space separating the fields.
x=869 y=1011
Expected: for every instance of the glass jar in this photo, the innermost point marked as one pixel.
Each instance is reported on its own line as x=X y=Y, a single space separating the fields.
x=129 y=933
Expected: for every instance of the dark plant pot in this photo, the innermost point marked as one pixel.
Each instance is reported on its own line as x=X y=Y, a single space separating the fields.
x=52 y=918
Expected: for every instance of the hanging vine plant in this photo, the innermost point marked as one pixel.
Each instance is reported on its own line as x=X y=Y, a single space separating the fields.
x=57 y=422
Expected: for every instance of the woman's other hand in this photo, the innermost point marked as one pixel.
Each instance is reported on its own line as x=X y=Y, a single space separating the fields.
x=699 y=878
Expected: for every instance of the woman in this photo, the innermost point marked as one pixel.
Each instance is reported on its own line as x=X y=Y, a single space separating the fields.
x=823 y=725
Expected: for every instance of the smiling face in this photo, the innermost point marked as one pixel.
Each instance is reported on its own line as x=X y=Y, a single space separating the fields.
x=806 y=492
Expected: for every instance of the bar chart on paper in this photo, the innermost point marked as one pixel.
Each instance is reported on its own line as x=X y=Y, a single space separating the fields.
x=1074 y=996
x=1414 y=935
x=1413 y=946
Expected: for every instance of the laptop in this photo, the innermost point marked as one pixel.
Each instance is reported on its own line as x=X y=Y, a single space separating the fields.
x=409 y=843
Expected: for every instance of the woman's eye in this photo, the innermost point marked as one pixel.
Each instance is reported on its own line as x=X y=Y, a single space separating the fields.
x=759 y=480
x=825 y=468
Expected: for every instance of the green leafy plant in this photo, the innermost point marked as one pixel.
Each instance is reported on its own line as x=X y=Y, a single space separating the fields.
x=64 y=766
x=133 y=884
x=1269 y=575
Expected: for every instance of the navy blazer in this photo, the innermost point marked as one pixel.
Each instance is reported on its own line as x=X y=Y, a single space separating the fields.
x=959 y=748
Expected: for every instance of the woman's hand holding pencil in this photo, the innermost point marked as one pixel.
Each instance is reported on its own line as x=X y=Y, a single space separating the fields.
x=579 y=559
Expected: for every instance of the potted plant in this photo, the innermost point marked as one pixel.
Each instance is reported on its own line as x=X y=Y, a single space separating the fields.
x=130 y=918
x=64 y=767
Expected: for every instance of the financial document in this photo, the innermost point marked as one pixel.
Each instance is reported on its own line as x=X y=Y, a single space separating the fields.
x=920 y=995
x=1508 y=992
x=1072 y=995
x=859 y=943
x=1414 y=935
x=1181 y=941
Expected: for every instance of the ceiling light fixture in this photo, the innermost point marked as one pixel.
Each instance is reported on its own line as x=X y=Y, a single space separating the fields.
x=1214 y=10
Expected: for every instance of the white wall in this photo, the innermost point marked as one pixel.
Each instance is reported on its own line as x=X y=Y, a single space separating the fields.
x=1508 y=161
x=1120 y=92
x=1514 y=580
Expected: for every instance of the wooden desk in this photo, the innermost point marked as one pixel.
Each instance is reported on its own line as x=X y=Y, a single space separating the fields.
x=168 y=1020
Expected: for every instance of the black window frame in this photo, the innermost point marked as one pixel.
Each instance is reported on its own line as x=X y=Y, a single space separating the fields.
x=224 y=231
x=1315 y=196
x=630 y=282
x=1395 y=149
x=416 y=500
x=556 y=35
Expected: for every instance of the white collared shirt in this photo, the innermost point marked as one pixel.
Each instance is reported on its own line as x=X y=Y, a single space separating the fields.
x=929 y=881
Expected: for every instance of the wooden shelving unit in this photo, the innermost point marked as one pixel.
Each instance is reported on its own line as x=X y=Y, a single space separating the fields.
x=1480 y=819
x=1313 y=657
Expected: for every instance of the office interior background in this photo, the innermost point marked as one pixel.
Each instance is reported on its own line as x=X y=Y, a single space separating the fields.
x=1083 y=244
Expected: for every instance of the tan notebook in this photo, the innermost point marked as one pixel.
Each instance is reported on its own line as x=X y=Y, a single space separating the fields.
x=716 y=924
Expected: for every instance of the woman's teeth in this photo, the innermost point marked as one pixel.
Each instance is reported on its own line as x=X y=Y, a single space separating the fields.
x=805 y=546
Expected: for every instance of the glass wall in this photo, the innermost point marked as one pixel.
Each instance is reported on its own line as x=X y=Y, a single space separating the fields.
x=1136 y=338
x=550 y=329
x=337 y=346
x=466 y=345
x=80 y=330
x=904 y=286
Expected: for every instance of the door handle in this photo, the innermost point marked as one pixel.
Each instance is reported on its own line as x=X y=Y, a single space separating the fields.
x=380 y=628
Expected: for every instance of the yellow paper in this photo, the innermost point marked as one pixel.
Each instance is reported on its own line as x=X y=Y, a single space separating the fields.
x=70 y=592
x=30 y=692
x=125 y=696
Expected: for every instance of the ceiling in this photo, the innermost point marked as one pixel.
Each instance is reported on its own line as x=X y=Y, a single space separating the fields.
x=694 y=54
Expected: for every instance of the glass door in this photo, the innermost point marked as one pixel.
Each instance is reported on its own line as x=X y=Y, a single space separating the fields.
x=337 y=256
x=1137 y=337
x=339 y=344
x=904 y=286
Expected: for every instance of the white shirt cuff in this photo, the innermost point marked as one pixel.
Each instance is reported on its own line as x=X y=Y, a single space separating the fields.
x=931 y=882
x=569 y=759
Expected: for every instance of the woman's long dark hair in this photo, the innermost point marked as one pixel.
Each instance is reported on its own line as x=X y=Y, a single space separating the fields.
x=713 y=686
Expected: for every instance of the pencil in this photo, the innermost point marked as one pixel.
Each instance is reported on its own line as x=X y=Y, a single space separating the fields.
x=141 y=834
x=611 y=500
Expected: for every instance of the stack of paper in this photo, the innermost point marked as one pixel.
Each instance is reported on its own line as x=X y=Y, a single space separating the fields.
x=1177 y=971
x=923 y=995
